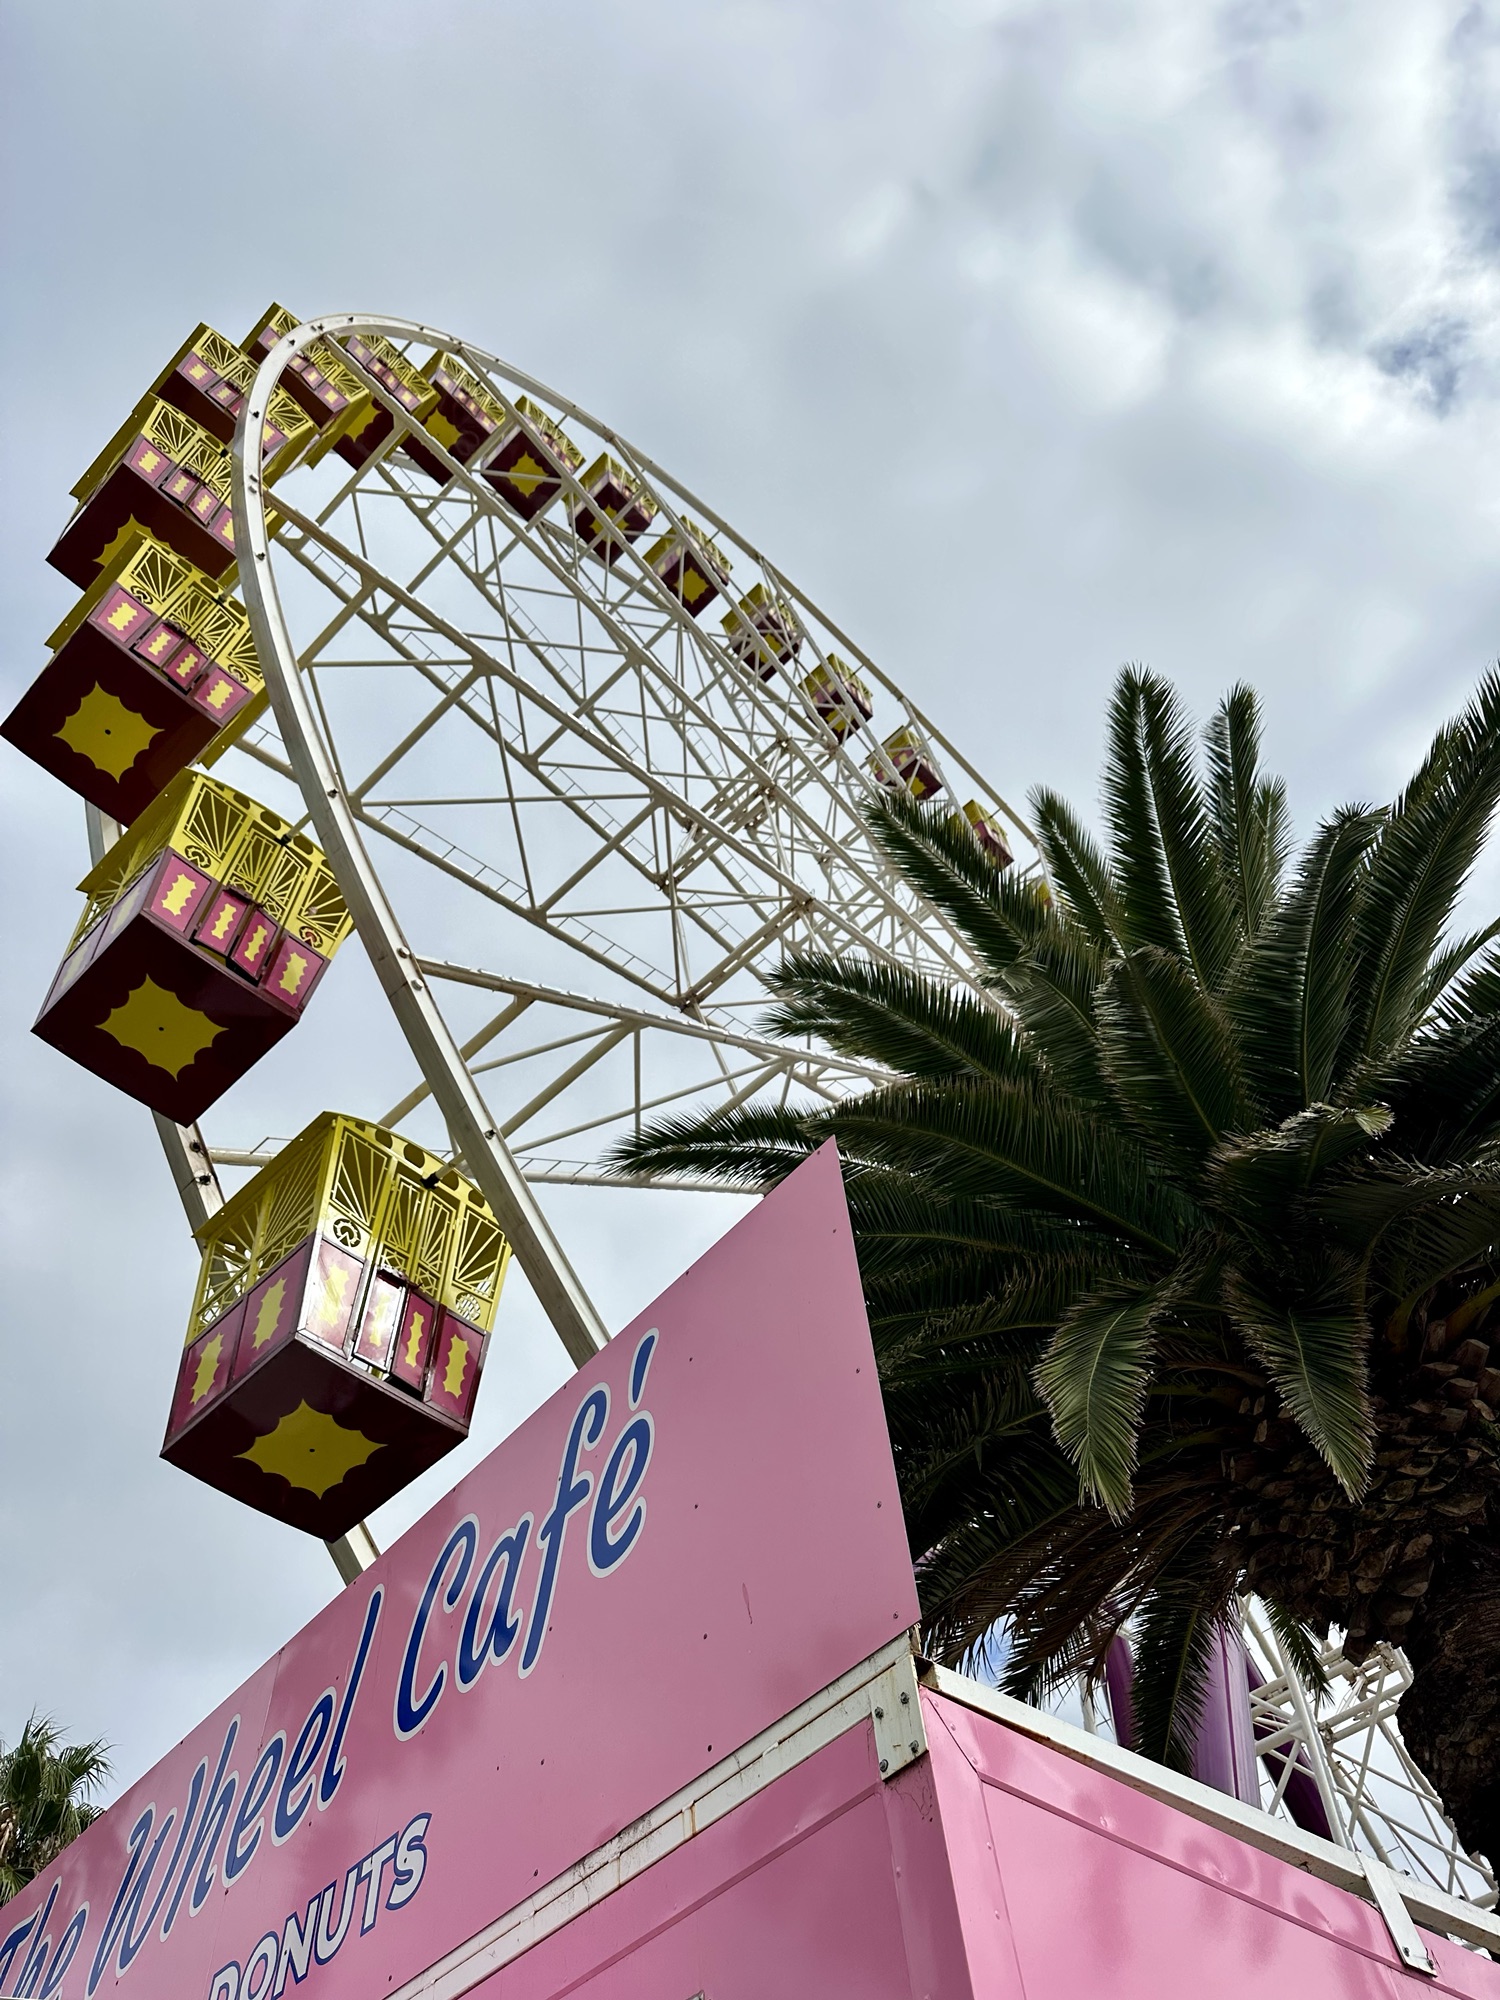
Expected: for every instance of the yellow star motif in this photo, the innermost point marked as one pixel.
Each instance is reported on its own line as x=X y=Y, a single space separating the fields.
x=526 y=474
x=268 y=1314
x=335 y=1284
x=156 y=1024
x=310 y=1450
x=443 y=429
x=458 y=1365
x=175 y=899
x=693 y=585
x=208 y=1367
x=106 y=732
x=414 y=1338
x=131 y=532
x=363 y=424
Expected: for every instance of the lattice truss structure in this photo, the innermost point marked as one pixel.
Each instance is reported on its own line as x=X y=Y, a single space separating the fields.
x=608 y=760
x=1349 y=1745
x=1343 y=1748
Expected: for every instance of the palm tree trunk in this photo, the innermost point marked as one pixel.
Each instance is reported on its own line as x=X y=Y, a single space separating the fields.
x=1450 y=1716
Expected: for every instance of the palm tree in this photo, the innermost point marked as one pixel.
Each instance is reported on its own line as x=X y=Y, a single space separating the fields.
x=1180 y=1230
x=42 y=1804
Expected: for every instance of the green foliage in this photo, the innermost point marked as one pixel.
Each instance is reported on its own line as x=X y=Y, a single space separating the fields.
x=1093 y=1379
x=1161 y=1213
x=44 y=1787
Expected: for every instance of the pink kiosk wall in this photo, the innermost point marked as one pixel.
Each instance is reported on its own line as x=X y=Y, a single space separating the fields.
x=695 y=1536
x=993 y=1869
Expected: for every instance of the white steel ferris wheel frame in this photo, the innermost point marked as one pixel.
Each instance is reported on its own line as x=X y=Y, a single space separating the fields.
x=777 y=833
x=722 y=836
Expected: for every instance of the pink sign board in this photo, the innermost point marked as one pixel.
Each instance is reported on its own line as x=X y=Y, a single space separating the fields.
x=700 y=1530
x=830 y=1885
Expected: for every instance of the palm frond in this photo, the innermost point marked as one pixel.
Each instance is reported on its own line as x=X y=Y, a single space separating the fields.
x=1247 y=813
x=1444 y=1084
x=1448 y=963
x=1170 y=894
x=44 y=1787
x=1297 y=1645
x=1314 y=1347
x=1169 y=1055
x=984 y=1140
x=1093 y=1379
x=1178 y=1628
x=1253 y=1176
x=1045 y=968
x=1356 y=1208
x=1418 y=866
x=1077 y=867
x=889 y=1014
x=998 y=915
x=1051 y=992
x=1291 y=1000
x=755 y=1144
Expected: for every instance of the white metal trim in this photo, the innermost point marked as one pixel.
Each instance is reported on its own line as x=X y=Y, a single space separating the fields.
x=879 y=1689
x=353 y=1553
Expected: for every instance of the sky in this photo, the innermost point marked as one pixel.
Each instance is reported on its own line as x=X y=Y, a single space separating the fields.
x=1189 y=308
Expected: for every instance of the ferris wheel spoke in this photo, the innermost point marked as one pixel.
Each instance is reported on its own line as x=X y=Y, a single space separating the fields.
x=644 y=662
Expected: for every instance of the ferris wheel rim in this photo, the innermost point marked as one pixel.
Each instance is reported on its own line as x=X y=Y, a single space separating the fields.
x=393 y=326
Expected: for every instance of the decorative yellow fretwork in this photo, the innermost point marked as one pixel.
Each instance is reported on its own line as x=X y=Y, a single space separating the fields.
x=693 y=585
x=268 y=1313
x=311 y=1450
x=208 y=1367
x=156 y=1024
x=457 y=1365
x=106 y=732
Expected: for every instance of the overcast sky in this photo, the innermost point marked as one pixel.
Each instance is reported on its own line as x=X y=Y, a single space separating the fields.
x=1191 y=306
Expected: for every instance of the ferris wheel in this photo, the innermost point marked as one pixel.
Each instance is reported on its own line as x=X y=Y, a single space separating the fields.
x=579 y=764
x=586 y=764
